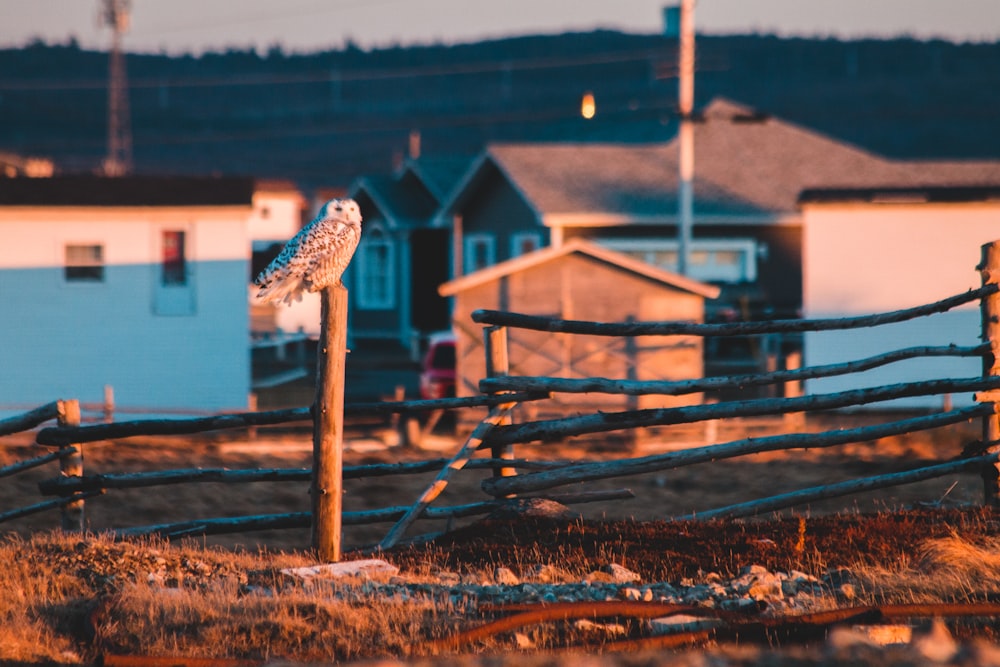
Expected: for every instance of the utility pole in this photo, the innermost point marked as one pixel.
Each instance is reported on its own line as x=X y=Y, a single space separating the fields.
x=118 y=162
x=685 y=187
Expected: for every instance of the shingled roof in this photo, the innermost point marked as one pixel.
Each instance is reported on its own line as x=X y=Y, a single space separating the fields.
x=747 y=165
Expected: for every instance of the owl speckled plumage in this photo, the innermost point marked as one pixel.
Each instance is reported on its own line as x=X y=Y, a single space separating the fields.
x=316 y=257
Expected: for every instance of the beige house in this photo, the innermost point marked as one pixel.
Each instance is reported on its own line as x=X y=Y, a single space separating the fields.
x=580 y=280
x=885 y=248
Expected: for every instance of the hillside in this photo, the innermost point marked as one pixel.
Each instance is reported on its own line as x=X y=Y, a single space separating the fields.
x=325 y=118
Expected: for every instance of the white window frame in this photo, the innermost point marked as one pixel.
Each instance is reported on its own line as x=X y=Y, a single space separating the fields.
x=488 y=242
x=644 y=249
x=369 y=298
x=102 y=263
x=517 y=239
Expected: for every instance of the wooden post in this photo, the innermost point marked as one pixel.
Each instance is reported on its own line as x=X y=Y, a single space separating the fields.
x=109 y=404
x=328 y=425
x=252 y=407
x=498 y=364
x=793 y=389
x=989 y=270
x=68 y=414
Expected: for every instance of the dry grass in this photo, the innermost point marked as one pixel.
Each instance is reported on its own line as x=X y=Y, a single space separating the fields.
x=68 y=600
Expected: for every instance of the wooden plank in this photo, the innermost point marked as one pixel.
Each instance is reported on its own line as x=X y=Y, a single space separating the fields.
x=457 y=462
x=498 y=365
x=552 y=325
x=589 y=471
x=30 y=419
x=989 y=308
x=245 y=524
x=850 y=487
x=328 y=426
x=676 y=387
x=61 y=436
x=36 y=461
x=556 y=429
x=71 y=465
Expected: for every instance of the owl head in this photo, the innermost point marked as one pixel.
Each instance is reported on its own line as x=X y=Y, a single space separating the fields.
x=342 y=209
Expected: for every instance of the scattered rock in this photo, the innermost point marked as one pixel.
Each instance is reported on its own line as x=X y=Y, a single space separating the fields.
x=533 y=507
x=504 y=576
x=590 y=627
x=621 y=575
x=938 y=644
x=667 y=625
x=358 y=568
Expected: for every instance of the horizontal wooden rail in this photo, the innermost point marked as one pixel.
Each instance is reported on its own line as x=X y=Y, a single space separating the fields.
x=785 y=500
x=61 y=435
x=556 y=429
x=589 y=471
x=30 y=419
x=60 y=486
x=303 y=519
x=679 y=387
x=28 y=464
x=46 y=505
x=553 y=325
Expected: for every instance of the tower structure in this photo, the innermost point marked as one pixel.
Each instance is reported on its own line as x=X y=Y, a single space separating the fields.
x=118 y=162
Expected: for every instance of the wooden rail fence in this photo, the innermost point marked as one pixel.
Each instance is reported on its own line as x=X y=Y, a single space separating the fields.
x=500 y=391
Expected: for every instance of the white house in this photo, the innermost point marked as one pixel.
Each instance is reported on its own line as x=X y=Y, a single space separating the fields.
x=136 y=282
x=877 y=249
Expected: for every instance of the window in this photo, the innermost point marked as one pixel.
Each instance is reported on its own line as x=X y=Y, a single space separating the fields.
x=376 y=277
x=523 y=243
x=84 y=263
x=712 y=260
x=173 y=268
x=480 y=252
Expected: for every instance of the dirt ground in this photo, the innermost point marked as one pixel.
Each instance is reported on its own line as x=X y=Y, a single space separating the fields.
x=658 y=495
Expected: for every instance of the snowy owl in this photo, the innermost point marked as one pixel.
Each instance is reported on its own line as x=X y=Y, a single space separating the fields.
x=315 y=257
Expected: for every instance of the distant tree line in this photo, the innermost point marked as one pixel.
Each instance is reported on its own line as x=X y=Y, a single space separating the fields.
x=326 y=117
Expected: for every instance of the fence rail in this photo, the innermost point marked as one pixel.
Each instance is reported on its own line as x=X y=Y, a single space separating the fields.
x=500 y=391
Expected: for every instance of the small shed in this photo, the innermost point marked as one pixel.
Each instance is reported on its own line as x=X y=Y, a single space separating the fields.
x=581 y=280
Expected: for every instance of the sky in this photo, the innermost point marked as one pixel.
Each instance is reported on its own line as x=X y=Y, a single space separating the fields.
x=196 y=26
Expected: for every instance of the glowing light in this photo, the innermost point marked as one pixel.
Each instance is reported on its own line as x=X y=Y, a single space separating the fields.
x=587 y=107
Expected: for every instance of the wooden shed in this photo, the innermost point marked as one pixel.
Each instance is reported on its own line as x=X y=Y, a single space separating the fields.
x=581 y=280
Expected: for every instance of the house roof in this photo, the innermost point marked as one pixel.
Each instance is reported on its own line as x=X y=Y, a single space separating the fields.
x=583 y=247
x=411 y=196
x=439 y=173
x=89 y=190
x=903 y=195
x=400 y=202
x=746 y=165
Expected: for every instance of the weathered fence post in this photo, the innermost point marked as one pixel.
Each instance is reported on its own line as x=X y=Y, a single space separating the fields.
x=328 y=425
x=109 y=404
x=793 y=389
x=498 y=364
x=68 y=414
x=989 y=269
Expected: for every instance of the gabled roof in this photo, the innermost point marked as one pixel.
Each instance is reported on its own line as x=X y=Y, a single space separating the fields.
x=438 y=173
x=411 y=196
x=88 y=190
x=582 y=247
x=400 y=202
x=746 y=165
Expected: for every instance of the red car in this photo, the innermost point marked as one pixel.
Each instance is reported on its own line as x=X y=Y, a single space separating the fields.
x=437 y=368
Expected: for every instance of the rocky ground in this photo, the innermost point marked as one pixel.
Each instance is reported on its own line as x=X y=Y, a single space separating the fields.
x=637 y=593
